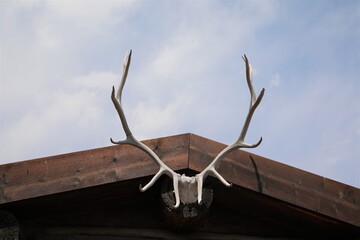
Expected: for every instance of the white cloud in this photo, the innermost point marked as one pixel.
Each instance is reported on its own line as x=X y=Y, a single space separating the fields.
x=275 y=80
x=175 y=56
x=59 y=117
x=97 y=81
x=47 y=38
x=314 y=129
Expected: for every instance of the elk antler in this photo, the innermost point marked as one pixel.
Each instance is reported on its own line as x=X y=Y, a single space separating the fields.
x=186 y=182
x=239 y=143
x=130 y=139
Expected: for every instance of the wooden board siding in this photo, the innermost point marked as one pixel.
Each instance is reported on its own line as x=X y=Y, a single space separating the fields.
x=294 y=186
x=83 y=169
x=264 y=191
x=120 y=210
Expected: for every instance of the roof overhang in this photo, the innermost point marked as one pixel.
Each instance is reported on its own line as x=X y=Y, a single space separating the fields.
x=299 y=189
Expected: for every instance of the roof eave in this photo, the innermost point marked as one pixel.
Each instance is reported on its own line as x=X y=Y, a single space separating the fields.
x=56 y=174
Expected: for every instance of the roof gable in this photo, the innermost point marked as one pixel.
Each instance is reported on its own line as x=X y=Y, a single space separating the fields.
x=315 y=195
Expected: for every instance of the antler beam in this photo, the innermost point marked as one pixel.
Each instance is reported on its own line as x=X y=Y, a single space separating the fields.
x=239 y=143
x=130 y=139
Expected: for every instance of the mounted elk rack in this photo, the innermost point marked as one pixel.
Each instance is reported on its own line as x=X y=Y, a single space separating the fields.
x=93 y=194
x=184 y=202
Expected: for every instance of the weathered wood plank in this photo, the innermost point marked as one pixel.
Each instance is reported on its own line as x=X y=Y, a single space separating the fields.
x=120 y=205
x=303 y=189
x=78 y=170
x=298 y=189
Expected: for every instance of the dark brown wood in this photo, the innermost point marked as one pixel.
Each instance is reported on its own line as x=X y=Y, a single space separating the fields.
x=187 y=217
x=78 y=170
x=267 y=198
x=96 y=233
x=308 y=191
x=9 y=226
x=96 y=211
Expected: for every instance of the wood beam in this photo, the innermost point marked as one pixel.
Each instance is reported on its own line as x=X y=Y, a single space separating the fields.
x=49 y=175
x=293 y=186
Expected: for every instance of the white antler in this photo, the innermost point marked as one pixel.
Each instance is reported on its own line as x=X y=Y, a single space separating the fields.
x=186 y=183
x=130 y=139
x=240 y=142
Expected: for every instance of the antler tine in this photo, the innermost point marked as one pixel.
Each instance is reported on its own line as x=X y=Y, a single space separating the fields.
x=130 y=139
x=254 y=102
x=117 y=100
x=239 y=143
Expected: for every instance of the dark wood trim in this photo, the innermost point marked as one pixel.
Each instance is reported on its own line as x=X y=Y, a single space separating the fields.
x=95 y=233
x=302 y=189
x=49 y=175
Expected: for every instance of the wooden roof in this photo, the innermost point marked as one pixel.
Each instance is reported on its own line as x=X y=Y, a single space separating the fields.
x=259 y=184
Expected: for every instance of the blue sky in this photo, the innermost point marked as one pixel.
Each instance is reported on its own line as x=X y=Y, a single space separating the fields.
x=59 y=60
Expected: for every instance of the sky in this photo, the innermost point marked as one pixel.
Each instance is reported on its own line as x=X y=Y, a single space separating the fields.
x=60 y=59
